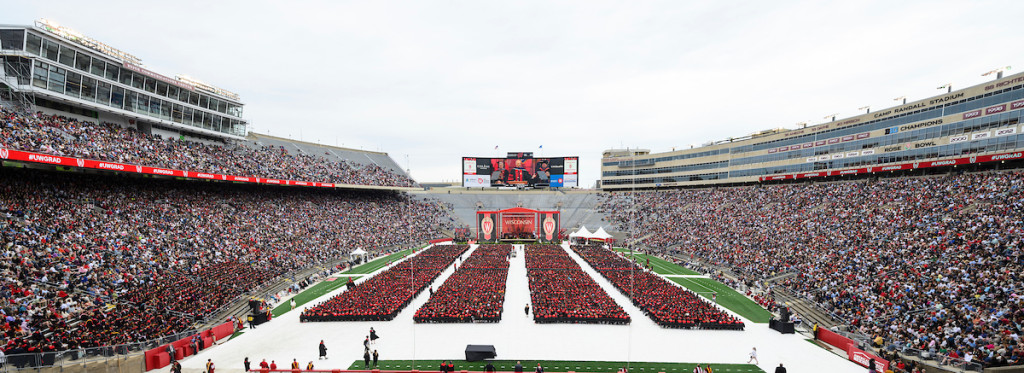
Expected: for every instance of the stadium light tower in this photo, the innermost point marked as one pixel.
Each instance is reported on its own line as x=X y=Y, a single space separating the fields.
x=904 y=98
x=866 y=108
x=998 y=72
x=947 y=86
x=832 y=116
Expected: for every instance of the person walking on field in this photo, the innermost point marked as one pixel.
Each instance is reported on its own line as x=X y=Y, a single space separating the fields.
x=373 y=336
x=323 y=350
x=753 y=356
x=375 y=356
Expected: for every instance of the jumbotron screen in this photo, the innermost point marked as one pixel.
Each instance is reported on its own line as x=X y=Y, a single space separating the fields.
x=520 y=169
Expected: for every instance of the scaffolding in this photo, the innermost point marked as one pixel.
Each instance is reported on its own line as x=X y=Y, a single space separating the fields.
x=15 y=90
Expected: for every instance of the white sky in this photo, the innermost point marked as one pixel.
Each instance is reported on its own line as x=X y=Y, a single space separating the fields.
x=438 y=80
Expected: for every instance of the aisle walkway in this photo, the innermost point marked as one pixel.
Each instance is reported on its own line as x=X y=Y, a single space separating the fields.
x=515 y=337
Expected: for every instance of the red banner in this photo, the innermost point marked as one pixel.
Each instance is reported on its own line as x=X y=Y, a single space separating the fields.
x=861 y=357
x=18 y=155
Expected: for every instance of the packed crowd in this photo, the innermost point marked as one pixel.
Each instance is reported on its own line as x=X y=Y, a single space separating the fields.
x=385 y=294
x=562 y=293
x=475 y=292
x=63 y=136
x=98 y=260
x=924 y=263
x=667 y=304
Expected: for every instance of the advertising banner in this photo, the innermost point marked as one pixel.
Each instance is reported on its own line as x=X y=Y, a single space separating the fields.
x=486 y=227
x=474 y=181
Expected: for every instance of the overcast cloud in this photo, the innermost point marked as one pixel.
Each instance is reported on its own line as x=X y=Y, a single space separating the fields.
x=438 y=80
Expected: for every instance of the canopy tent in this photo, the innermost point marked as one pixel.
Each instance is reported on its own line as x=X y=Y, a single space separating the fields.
x=357 y=253
x=600 y=234
x=582 y=233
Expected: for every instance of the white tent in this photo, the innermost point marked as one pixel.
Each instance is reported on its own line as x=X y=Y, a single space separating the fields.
x=600 y=234
x=582 y=233
x=357 y=253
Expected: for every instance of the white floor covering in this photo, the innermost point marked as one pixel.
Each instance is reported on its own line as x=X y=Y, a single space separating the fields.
x=515 y=337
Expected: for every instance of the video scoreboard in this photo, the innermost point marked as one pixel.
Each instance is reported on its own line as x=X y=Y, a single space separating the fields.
x=520 y=169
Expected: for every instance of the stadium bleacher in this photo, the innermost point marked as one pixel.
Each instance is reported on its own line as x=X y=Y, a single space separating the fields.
x=99 y=260
x=928 y=264
x=265 y=157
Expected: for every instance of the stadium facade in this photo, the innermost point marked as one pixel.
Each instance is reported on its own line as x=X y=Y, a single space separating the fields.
x=60 y=69
x=975 y=125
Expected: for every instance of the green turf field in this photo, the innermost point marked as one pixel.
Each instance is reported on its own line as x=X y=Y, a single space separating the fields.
x=311 y=293
x=557 y=366
x=727 y=297
x=379 y=263
x=661 y=266
x=325 y=287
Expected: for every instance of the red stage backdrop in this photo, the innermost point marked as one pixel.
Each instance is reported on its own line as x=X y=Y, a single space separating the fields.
x=518 y=224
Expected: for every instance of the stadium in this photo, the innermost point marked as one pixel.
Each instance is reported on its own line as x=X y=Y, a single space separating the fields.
x=148 y=226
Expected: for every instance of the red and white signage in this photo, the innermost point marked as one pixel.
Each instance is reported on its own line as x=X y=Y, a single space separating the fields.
x=18 y=155
x=863 y=358
x=898 y=167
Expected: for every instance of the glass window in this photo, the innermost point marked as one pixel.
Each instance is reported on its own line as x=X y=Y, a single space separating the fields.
x=183 y=95
x=154 y=106
x=207 y=121
x=97 y=67
x=103 y=93
x=12 y=39
x=213 y=103
x=39 y=74
x=161 y=88
x=83 y=61
x=193 y=98
x=204 y=101
x=142 y=104
x=73 y=85
x=126 y=77
x=88 y=88
x=216 y=123
x=137 y=80
x=150 y=85
x=176 y=113
x=165 y=110
x=34 y=43
x=186 y=117
x=50 y=50
x=111 y=72
x=67 y=56
x=130 y=100
x=172 y=92
x=222 y=107
x=117 y=97
x=56 y=79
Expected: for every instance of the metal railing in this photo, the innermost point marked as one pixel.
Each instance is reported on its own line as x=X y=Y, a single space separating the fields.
x=934 y=359
x=15 y=362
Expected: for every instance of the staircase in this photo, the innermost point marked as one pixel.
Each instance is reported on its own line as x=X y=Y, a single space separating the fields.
x=810 y=313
